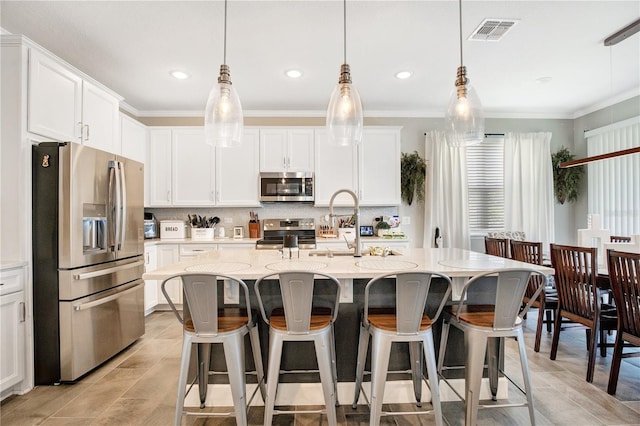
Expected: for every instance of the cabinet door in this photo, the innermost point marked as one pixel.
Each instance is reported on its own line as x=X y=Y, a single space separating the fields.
x=335 y=168
x=169 y=254
x=237 y=172
x=100 y=119
x=133 y=138
x=150 y=286
x=159 y=166
x=273 y=150
x=300 y=150
x=193 y=169
x=54 y=99
x=12 y=336
x=379 y=177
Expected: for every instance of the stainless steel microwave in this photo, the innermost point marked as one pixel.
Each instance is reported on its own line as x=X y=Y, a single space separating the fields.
x=293 y=186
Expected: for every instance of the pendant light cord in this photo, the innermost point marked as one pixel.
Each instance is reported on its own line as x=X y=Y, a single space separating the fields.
x=460 y=26
x=344 y=11
x=224 y=58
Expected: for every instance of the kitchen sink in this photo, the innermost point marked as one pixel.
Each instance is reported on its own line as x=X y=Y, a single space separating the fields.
x=343 y=252
x=331 y=253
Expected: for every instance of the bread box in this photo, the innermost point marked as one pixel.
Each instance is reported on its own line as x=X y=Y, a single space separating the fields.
x=173 y=229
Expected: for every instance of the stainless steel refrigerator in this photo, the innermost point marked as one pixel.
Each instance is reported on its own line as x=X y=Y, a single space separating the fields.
x=88 y=231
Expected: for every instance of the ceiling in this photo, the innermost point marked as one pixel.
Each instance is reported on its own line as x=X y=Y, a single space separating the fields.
x=131 y=46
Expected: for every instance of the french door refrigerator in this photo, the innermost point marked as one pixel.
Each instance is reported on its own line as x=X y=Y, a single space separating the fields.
x=88 y=258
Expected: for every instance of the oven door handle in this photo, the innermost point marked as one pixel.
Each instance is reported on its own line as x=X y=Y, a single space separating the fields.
x=107 y=271
x=89 y=305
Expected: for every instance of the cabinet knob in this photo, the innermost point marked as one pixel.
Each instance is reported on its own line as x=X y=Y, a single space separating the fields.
x=168 y=195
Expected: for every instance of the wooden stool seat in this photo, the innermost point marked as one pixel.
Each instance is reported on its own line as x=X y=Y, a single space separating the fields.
x=476 y=315
x=229 y=319
x=388 y=322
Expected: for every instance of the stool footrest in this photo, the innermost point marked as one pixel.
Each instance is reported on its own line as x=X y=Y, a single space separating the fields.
x=322 y=411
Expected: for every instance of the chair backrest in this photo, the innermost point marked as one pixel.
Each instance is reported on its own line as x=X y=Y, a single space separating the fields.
x=529 y=252
x=412 y=289
x=297 y=297
x=201 y=292
x=496 y=246
x=509 y=292
x=624 y=274
x=619 y=239
x=576 y=270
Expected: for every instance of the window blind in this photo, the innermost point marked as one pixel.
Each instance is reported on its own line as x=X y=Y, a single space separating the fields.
x=485 y=175
x=614 y=184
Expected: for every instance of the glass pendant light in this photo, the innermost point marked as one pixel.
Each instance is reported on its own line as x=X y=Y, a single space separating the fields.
x=223 y=119
x=464 y=117
x=344 y=114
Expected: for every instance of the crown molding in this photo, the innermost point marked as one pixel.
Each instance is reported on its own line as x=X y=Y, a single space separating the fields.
x=607 y=102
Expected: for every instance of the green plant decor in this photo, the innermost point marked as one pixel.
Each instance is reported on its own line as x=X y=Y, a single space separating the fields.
x=412 y=177
x=566 y=182
x=382 y=225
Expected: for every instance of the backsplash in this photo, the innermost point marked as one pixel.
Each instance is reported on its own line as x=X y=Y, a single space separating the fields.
x=239 y=216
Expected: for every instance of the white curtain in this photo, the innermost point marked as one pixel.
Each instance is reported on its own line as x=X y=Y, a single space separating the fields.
x=446 y=205
x=528 y=186
x=614 y=189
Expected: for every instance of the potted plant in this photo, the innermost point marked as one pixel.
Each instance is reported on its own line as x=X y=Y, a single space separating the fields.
x=382 y=227
x=566 y=182
x=413 y=172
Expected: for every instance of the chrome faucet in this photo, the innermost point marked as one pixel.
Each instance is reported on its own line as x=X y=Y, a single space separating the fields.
x=356 y=213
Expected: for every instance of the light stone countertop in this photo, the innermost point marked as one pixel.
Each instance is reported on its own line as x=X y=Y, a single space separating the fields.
x=250 y=264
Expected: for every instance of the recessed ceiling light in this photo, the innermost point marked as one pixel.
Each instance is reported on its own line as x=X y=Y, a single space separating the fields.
x=180 y=75
x=293 y=73
x=402 y=75
x=543 y=80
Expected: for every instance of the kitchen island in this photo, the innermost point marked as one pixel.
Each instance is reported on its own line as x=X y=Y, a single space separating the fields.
x=354 y=273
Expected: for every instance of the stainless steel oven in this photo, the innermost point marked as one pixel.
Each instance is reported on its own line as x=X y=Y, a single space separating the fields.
x=294 y=186
x=275 y=230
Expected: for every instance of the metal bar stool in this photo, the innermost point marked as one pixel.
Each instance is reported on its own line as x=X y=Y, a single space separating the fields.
x=299 y=316
x=407 y=323
x=480 y=323
x=209 y=323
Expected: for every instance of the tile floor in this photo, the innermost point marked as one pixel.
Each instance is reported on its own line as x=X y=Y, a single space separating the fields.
x=137 y=387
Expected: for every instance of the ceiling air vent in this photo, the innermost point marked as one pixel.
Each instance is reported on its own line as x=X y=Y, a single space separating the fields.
x=492 y=29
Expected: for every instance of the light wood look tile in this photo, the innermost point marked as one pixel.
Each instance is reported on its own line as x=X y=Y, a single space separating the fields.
x=138 y=387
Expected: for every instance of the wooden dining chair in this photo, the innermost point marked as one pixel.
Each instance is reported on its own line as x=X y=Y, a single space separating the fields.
x=547 y=299
x=497 y=246
x=619 y=239
x=578 y=298
x=624 y=275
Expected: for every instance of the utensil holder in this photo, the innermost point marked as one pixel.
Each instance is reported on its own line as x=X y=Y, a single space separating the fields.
x=254 y=229
x=202 y=233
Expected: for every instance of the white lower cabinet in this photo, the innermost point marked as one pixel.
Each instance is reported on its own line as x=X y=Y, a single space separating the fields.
x=12 y=329
x=168 y=254
x=150 y=286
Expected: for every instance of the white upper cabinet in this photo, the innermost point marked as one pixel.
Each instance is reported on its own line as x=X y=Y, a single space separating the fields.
x=286 y=149
x=193 y=172
x=379 y=166
x=335 y=168
x=370 y=169
x=55 y=99
x=133 y=139
x=159 y=167
x=65 y=107
x=100 y=119
x=237 y=172
x=184 y=171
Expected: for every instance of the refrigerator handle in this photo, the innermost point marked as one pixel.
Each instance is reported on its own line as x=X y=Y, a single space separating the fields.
x=123 y=201
x=118 y=205
x=112 y=212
